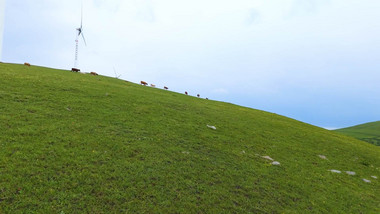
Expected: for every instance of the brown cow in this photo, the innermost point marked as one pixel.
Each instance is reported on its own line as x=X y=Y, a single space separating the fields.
x=27 y=64
x=166 y=88
x=93 y=73
x=75 y=69
x=143 y=83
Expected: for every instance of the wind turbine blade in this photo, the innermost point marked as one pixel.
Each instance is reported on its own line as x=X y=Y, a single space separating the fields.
x=84 y=39
x=81 y=15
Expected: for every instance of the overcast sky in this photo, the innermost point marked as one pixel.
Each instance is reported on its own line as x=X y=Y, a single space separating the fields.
x=2 y=7
x=317 y=61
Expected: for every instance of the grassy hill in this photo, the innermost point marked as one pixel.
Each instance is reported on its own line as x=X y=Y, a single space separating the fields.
x=76 y=143
x=369 y=132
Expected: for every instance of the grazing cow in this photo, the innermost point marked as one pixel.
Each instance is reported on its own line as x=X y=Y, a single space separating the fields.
x=152 y=85
x=143 y=83
x=166 y=88
x=186 y=93
x=93 y=73
x=198 y=95
x=27 y=64
x=75 y=69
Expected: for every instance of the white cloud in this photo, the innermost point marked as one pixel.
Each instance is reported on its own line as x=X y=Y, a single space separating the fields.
x=305 y=7
x=252 y=16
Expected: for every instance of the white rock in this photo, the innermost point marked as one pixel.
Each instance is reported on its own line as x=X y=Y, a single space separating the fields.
x=322 y=156
x=351 y=173
x=268 y=158
x=275 y=163
x=335 y=171
x=211 y=127
x=367 y=181
x=375 y=177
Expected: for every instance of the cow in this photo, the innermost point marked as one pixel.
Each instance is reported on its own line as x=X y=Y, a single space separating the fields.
x=93 y=73
x=75 y=69
x=152 y=85
x=186 y=93
x=143 y=83
x=27 y=64
x=206 y=98
x=198 y=95
x=166 y=88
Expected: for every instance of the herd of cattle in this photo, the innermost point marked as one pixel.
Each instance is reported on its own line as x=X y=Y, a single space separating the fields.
x=141 y=82
x=78 y=70
x=152 y=85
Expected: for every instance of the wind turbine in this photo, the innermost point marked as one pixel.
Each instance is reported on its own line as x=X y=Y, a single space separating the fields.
x=80 y=32
x=116 y=74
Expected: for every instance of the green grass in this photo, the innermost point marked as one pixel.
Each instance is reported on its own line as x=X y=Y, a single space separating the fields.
x=76 y=143
x=369 y=132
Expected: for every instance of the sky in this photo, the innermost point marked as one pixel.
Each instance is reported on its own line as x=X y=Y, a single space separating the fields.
x=317 y=61
x=2 y=7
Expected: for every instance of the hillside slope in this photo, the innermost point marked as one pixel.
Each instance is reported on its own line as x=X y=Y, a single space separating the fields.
x=369 y=132
x=76 y=143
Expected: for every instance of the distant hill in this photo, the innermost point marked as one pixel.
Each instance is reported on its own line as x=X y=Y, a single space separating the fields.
x=78 y=143
x=369 y=132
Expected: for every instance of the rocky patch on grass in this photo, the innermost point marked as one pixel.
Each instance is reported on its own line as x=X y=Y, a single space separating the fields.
x=366 y=180
x=351 y=173
x=335 y=171
x=211 y=127
x=276 y=163
x=268 y=158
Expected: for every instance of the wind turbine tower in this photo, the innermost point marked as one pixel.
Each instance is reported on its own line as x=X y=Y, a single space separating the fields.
x=79 y=33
